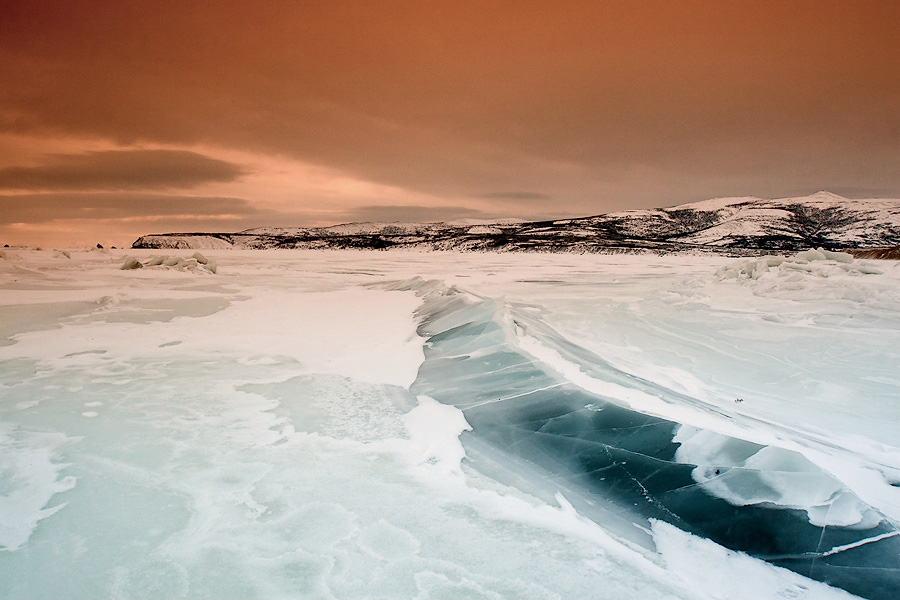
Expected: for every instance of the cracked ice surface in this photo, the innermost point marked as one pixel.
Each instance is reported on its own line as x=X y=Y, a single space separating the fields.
x=301 y=425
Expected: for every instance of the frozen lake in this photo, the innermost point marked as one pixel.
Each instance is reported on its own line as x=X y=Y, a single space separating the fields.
x=339 y=424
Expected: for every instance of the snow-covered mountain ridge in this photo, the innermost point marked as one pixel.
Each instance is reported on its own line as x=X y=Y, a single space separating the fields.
x=735 y=225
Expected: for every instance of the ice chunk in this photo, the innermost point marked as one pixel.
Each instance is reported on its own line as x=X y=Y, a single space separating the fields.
x=810 y=255
x=869 y=269
x=190 y=264
x=746 y=474
x=155 y=261
x=131 y=263
x=802 y=277
x=841 y=257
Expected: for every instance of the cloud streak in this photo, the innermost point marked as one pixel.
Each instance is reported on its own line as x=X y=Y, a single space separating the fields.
x=120 y=170
x=42 y=208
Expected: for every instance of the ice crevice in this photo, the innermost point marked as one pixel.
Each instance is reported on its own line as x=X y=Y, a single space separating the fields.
x=845 y=547
x=547 y=416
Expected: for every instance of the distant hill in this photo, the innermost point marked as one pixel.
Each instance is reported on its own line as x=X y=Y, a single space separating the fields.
x=734 y=225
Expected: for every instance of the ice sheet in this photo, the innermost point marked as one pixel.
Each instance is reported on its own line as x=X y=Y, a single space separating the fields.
x=256 y=432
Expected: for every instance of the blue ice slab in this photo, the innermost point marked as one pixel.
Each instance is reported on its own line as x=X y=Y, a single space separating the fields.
x=619 y=463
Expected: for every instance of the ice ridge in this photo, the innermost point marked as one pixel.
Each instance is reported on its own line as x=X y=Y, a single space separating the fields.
x=535 y=429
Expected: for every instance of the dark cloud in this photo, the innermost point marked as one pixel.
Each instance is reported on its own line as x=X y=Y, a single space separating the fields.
x=409 y=214
x=42 y=208
x=120 y=170
x=599 y=105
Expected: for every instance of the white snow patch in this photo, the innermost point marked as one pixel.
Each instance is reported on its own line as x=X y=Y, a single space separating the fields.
x=434 y=431
x=29 y=478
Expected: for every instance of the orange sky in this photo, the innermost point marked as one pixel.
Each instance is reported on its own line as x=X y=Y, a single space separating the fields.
x=123 y=118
